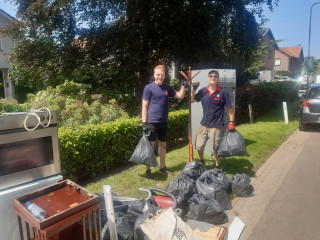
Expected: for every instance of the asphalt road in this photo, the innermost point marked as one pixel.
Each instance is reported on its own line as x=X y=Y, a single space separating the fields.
x=286 y=204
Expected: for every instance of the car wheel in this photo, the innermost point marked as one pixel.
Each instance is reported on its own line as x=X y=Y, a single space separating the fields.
x=302 y=127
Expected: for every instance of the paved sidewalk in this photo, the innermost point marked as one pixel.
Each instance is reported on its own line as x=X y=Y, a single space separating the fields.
x=286 y=204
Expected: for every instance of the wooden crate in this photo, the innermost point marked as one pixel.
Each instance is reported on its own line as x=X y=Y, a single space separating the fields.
x=59 y=201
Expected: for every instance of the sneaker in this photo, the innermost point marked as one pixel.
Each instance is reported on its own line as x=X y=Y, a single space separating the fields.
x=148 y=174
x=164 y=170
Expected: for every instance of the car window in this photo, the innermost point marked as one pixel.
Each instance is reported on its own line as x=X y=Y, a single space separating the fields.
x=314 y=93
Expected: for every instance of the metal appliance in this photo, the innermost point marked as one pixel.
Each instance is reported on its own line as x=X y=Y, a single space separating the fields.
x=29 y=160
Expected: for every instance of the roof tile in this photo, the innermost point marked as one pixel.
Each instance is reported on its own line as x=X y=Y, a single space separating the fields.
x=292 y=51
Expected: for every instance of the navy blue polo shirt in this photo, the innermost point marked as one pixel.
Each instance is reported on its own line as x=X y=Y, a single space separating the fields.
x=158 y=96
x=213 y=106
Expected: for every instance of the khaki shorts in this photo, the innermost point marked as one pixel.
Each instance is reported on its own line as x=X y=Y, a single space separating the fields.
x=214 y=134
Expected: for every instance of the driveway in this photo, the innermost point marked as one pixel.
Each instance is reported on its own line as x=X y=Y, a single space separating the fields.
x=286 y=204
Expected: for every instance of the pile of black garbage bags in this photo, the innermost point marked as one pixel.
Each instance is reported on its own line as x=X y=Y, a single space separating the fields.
x=129 y=217
x=201 y=195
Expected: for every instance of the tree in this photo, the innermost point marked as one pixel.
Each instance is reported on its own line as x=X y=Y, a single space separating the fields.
x=118 y=43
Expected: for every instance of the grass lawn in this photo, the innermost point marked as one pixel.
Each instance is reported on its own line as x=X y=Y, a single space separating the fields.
x=262 y=138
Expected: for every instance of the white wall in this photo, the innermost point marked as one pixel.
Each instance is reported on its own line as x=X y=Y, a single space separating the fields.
x=5 y=42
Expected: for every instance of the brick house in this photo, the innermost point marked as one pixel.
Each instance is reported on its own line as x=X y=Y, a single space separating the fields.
x=270 y=43
x=5 y=49
x=289 y=59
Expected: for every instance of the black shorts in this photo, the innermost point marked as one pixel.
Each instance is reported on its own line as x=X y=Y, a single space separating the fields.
x=158 y=130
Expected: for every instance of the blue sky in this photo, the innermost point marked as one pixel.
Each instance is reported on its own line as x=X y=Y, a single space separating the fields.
x=288 y=22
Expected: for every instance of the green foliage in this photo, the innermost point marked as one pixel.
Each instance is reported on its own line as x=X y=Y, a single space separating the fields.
x=122 y=41
x=35 y=63
x=264 y=97
x=177 y=126
x=315 y=66
x=175 y=83
x=11 y=105
x=263 y=48
x=177 y=104
x=92 y=149
x=311 y=65
x=285 y=73
x=75 y=105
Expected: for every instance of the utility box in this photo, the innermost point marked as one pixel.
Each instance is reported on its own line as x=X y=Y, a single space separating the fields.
x=267 y=75
x=227 y=80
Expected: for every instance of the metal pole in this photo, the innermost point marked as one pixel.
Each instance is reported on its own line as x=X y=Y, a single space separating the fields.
x=309 y=43
x=110 y=212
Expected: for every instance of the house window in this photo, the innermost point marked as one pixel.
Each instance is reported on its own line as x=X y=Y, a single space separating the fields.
x=277 y=62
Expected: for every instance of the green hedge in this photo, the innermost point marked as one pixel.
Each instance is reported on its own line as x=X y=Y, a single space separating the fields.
x=11 y=105
x=91 y=149
x=264 y=97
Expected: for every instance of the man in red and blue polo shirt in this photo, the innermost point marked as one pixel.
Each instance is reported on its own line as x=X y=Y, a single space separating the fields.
x=213 y=99
x=155 y=105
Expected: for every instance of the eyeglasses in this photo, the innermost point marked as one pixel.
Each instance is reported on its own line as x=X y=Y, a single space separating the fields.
x=213 y=76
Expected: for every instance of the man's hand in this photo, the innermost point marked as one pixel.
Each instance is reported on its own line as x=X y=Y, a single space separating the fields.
x=145 y=126
x=195 y=85
x=231 y=126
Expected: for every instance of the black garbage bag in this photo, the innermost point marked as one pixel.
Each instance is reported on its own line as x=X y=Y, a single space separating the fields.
x=240 y=185
x=217 y=175
x=125 y=226
x=143 y=205
x=232 y=144
x=138 y=232
x=207 y=210
x=214 y=185
x=144 y=154
x=193 y=170
x=124 y=222
x=141 y=208
x=182 y=188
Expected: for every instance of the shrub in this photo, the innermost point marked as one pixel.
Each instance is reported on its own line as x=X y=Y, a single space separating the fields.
x=177 y=104
x=92 y=149
x=11 y=105
x=75 y=105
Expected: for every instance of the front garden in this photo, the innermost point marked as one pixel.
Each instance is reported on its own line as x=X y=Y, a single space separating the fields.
x=262 y=139
x=97 y=135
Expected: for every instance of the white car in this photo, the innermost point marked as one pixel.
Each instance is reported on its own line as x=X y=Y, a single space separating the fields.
x=286 y=78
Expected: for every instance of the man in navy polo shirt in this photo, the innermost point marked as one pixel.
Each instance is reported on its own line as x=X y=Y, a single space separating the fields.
x=155 y=105
x=213 y=99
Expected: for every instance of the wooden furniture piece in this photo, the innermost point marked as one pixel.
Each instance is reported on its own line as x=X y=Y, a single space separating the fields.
x=189 y=79
x=72 y=213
